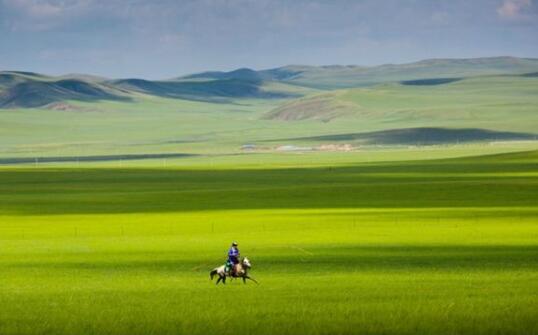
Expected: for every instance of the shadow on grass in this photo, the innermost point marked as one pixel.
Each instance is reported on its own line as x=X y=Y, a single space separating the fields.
x=421 y=136
x=483 y=182
x=319 y=260
x=96 y=158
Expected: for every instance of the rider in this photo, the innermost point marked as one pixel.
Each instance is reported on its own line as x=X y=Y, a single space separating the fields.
x=233 y=258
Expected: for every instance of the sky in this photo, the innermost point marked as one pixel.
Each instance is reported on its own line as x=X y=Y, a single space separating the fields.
x=166 y=38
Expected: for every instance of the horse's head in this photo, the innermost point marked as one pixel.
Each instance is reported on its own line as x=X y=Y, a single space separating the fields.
x=246 y=263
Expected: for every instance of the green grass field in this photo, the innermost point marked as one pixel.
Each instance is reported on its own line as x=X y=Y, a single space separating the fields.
x=446 y=246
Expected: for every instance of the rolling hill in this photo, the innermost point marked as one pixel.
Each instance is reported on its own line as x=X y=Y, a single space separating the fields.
x=429 y=111
x=211 y=90
x=437 y=100
x=342 y=76
x=40 y=93
x=20 y=90
x=331 y=77
x=321 y=107
x=30 y=90
x=85 y=116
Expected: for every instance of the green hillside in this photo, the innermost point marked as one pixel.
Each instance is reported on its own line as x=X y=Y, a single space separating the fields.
x=331 y=77
x=26 y=90
x=80 y=116
x=486 y=102
x=321 y=77
x=29 y=90
x=341 y=76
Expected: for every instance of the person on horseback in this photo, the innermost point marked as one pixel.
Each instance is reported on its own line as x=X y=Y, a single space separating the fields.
x=233 y=259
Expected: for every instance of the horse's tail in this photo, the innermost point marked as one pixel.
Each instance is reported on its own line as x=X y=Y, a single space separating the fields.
x=212 y=274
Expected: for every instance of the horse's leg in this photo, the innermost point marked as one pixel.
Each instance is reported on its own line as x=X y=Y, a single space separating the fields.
x=224 y=280
x=254 y=280
x=218 y=280
x=244 y=280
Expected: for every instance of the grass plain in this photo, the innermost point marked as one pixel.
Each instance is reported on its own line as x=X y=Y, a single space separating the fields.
x=446 y=246
x=389 y=239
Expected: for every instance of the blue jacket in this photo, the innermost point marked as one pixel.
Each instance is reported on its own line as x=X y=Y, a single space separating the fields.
x=233 y=255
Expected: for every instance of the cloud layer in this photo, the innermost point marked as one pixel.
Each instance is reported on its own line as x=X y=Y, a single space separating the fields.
x=164 y=38
x=513 y=9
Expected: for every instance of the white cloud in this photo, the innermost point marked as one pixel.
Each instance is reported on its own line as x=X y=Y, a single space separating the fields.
x=513 y=9
x=41 y=15
x=42 y=9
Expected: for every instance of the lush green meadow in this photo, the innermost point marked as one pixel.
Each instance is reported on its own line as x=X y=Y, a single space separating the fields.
x=446 y=246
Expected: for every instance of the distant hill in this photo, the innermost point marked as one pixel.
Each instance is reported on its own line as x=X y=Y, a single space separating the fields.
x=431 y=101
x=239 y=74
x=11 y=78
x=321 y=107
x=24 y=92
x=342 y=76
x=200 y=90
x=28 y=90
x=331 y=77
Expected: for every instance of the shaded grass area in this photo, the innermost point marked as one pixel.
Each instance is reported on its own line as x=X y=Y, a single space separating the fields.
x=460 y=183
x=314 y=260
x=97 y=158
x=430 y=82
x=423 y=136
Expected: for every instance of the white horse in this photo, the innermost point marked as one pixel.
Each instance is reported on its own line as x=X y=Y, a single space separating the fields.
x=241 y=271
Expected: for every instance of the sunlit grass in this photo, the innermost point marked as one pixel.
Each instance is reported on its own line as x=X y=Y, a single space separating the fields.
x=423 y=247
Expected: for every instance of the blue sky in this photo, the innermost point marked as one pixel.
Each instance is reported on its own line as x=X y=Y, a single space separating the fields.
x=162 y=39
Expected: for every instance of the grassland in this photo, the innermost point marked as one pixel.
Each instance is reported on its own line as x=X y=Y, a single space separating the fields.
x=156 y=125
x=479 y=102
x=112 y=212
x=414 y=247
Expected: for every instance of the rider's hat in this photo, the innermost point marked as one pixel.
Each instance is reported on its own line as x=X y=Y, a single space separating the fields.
x=234 y=243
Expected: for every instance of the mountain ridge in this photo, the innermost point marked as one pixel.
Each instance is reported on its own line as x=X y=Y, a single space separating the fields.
x=22 y=89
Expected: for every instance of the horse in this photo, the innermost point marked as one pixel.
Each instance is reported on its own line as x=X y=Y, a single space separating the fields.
x=241 y=271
